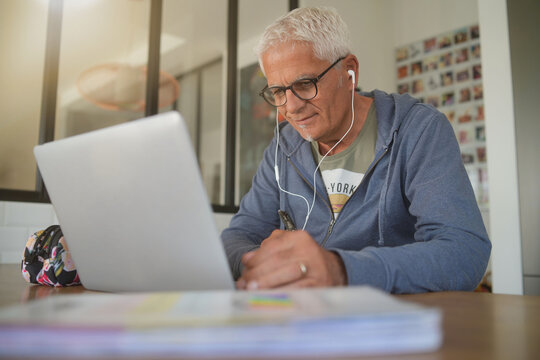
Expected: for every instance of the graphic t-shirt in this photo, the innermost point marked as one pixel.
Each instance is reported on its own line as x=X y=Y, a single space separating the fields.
x=343 y=172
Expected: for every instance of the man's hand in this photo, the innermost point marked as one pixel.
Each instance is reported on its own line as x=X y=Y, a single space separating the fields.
x=291 y=259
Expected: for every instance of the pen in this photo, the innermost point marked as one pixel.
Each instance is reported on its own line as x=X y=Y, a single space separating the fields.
x=287 y=221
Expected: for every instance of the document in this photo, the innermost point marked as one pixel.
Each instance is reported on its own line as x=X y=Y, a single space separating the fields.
x=307 y=322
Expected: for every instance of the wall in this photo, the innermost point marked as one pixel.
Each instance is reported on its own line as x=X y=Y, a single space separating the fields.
x=418 y=19
x=17 y=222
x=523 y=26
x=372 y=30
x=502 y=160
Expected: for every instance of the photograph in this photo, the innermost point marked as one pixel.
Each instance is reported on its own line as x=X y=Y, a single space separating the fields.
x=475 y=32
x=465 y=136
x=479 y=113
x=445 y=41
x=450 y=115
x=433 y=101
x=430 y=63
x=460 y=36
x=480 y=133
x=445 y=60
x=402 y=53
x=415 y=50
x=403 y=88
x=447 y=99
x=462 y=75
x=477 y=71
x=417 y=86
x=478 y=92
x=475 y=51
x=430 y=44
x=462 y=55
x=433 y=82
x=464 y=116
x=467 y=157
x=481 y=154
x=464 y=95
x=402 y=72
x=447 y=78
x=416 y=68
x=482 y=175
x=483 y=193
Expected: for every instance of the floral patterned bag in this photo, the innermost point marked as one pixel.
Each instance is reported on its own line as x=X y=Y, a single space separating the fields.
x=47 y=260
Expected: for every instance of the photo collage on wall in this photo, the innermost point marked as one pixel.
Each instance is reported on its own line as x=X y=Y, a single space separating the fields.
x=446 y=72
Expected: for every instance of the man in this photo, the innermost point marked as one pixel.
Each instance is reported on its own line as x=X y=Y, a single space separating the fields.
x=376 y=180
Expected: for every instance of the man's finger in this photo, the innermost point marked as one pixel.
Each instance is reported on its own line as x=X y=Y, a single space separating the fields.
x=241 y=284
x=271 y=246
x=302 y=283
x=247 y=256
x=270 y=274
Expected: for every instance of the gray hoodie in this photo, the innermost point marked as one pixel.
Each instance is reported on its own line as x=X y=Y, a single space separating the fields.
x=412 y=225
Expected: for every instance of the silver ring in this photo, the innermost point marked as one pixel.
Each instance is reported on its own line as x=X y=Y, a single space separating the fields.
x=303 y=268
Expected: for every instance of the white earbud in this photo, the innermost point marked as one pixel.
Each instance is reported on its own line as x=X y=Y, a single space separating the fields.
x=351 y=72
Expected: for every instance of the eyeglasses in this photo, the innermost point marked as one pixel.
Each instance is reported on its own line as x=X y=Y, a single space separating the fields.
x=304 y=89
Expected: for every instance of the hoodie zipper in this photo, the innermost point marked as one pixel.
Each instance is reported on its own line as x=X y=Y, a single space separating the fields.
x=332 y=219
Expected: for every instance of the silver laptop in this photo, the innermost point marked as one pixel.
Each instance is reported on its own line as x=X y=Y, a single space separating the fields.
x=133 y=209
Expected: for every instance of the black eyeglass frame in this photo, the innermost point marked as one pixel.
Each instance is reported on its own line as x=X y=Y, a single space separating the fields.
x=290 y=87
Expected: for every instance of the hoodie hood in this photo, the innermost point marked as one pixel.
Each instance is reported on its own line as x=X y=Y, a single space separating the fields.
x=394 y=106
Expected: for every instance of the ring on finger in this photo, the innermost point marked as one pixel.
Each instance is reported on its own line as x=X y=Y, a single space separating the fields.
x=303 y=268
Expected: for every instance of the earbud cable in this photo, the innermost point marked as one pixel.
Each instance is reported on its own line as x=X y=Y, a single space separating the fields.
x=310 y=209
x=276 y=170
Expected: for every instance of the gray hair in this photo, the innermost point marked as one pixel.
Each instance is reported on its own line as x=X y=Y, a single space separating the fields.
x=322 y=27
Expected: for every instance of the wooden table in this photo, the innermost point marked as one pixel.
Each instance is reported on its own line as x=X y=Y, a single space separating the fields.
x=475 y=325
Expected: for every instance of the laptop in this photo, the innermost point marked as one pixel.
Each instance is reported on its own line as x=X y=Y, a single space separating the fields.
x=133 y=209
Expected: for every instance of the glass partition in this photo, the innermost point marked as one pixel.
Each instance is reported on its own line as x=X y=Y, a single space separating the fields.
x=23 y=25
x=102 y=74
x=193 y=51
x=256 y=119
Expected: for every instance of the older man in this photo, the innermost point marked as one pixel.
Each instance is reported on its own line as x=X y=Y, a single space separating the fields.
x=374 y=181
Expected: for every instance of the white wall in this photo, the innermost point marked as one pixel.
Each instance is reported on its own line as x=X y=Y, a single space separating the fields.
x=415 y=20
x=523 y=28
x=17 y=222
x=372 y=32
x=498 y=101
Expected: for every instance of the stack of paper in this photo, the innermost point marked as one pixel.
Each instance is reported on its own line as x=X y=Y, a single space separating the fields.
x=322 y=322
